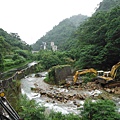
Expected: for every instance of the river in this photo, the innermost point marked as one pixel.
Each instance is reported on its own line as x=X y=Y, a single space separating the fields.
x=31 y=81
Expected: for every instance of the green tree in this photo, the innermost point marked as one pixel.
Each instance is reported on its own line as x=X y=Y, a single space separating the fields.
x=97 y=41
x=50 y=60
x=100 y=110
x=30 y=110
x=59 y=116
x=1 y=63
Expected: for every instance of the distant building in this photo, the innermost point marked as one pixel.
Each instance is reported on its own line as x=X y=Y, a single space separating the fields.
x=52 y=43
x=44 y=45
x=54 y=47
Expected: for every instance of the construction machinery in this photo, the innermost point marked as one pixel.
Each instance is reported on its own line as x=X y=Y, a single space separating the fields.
x=84 y=71
x=6 y=110
x=109 y=77
x=104 y=77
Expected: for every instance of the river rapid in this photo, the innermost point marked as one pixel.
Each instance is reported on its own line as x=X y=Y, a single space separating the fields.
x=31 y=81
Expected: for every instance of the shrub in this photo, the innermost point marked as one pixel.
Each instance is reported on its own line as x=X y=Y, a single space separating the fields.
x=88 y=77
x=30 y=110
x=59 y=116
x=100 y=110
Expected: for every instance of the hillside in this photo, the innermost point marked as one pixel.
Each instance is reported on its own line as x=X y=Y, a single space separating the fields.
x=12 y=41
x=13 y=51
x=60 y=33
x=96 y=42
x=106 y=5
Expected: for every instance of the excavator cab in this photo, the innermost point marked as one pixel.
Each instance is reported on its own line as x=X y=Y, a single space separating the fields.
x=6 y=110
x=109 y=76
x=100 y=73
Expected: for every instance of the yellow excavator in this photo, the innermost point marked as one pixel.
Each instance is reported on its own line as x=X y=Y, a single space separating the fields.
x=103 y=77
x=84 y=71
x=109 y=76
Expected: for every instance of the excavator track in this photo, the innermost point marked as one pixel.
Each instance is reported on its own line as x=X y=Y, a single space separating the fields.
x=112 y=84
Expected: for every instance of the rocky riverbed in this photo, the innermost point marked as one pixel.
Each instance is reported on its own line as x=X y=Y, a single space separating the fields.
x=66 y=98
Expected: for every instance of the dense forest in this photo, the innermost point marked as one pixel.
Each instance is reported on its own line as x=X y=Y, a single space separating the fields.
x=96 y=42
x=107 y=5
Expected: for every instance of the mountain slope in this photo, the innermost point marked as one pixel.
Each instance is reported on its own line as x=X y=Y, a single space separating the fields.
x=13 y=51
x=96 y=42
x=12 y=40
x=60 y=33
x=106 y=5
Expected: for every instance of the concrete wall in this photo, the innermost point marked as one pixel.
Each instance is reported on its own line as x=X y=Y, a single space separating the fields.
x=8 y=83
x=59 y=73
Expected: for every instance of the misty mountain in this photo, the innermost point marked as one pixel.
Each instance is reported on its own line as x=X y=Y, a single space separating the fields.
x=60 y=33
x=107 y=5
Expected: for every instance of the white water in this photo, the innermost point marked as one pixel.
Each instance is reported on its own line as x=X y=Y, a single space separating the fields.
x=65 y=108
x=29 y=81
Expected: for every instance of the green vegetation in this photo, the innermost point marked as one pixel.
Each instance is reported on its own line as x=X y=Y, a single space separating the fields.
x=93 y=43
x=84 y=43
x=107 y=5
x=30 y=110
x=96 y=42
x=60 y=116
x=60 y=33
x=88 y=77
x=13 y=51
x=1 y=63
x=49 y=59
x=100 y=110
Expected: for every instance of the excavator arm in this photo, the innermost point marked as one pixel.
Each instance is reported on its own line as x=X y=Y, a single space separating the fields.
x=114 y=70
x=104 y=77
x=109 y=76
x=84 y=71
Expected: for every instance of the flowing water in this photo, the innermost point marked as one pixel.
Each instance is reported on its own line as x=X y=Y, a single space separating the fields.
x=31 y=81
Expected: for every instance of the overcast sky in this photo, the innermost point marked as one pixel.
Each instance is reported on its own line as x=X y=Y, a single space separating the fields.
x=31 y=19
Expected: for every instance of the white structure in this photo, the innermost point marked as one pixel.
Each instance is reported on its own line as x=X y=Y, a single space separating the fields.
x=52 y=43
x=54 y=47
x=44 y=45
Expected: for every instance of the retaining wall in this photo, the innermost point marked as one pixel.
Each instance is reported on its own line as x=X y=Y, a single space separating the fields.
x=5 y=84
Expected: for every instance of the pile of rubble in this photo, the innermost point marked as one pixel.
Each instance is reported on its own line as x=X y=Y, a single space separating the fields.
x=60 y=96
x=93 y=86
x=115 y=90
x=64 y=94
